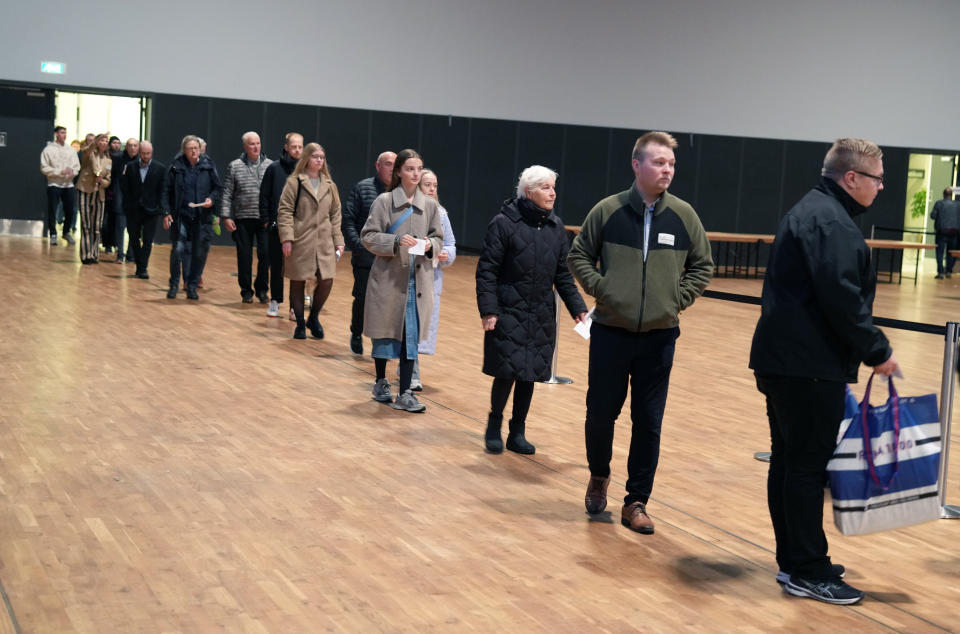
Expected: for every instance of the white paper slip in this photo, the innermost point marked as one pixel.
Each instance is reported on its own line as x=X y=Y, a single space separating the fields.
x=194 y=204
x=419 y=248
x=583 y=327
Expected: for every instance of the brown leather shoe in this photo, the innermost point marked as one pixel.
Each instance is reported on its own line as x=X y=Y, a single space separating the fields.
x=634 y=516
x=596 y=497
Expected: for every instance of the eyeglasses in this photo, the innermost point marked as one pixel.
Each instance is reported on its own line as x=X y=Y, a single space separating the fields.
x=877 y=179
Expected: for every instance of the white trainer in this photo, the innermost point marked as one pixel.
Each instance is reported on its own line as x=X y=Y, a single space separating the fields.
x=274 y=309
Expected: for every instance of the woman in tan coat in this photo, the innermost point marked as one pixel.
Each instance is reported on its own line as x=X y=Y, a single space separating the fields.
x=399 y=299
x=308 y=222
x=92 y=184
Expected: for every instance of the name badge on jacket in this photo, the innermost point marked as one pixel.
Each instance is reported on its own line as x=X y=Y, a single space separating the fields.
x=665 y=238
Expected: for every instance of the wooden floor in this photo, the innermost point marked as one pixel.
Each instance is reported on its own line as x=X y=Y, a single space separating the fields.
x=175 y=466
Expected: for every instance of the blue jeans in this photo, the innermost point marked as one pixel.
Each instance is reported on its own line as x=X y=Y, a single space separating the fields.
x=188 y=242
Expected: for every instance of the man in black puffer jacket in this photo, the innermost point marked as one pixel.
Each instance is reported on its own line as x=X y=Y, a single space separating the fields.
x=356 y=208
x=815 y=328
x=270 y=189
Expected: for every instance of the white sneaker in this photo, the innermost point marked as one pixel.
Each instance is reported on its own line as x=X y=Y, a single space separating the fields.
x=293 y=315
x=53 y=239
x=306 y=301
x=274 y=309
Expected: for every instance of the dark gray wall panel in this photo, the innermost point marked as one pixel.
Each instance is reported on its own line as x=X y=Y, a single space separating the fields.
x=584 y=172
x=344 y=134
x=24 y=196
x=760 y=185
x=719 y=175
x=491 y=175
x=393 y=131
x=174 y=117
x=444 y=150
x=801 y=171
x=283 y=118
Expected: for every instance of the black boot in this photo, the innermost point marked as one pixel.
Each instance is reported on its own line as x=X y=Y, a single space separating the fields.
x=492 y=436
x=515 y=440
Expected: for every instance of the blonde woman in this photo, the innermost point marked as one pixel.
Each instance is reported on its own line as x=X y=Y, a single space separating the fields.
x=92 y=184
x=429 y=185
x=308 y=223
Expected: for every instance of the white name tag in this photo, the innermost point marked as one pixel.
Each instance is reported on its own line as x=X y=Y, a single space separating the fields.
x=665 y=238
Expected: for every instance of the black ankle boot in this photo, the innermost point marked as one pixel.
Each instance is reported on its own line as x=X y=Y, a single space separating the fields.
x=515 y=440
x=492 y=436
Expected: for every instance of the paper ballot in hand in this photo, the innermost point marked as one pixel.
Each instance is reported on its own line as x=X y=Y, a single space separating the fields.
x=419 y=248
x=583 y=327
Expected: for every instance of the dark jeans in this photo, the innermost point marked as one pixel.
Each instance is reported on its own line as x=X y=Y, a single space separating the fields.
x=206 y=238
x=248 y=232
x=360 y=276
x=945 y=243
x=67 y=197
x=645 y=358
x=276 y=265
x=804 y=416
x=187 y=238
x=142 y=228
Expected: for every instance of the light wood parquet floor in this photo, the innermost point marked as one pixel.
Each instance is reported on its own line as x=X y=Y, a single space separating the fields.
x=175 y=466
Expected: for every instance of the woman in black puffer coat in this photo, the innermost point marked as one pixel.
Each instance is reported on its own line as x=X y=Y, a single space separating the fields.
x=524 y=256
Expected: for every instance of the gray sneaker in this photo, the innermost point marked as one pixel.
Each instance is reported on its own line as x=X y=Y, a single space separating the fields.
x=407 y=401
x=69 y=239
x=381 y=391
x=829 y=591
x=53 y=239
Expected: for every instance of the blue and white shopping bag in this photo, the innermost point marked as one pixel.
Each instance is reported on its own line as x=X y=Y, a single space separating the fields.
x=883 y=474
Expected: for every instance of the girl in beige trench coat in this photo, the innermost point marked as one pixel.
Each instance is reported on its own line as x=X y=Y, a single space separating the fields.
x=308 y=222
x=399 y=298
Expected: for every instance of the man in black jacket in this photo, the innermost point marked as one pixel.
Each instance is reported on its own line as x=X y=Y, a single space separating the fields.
x=191 y=189
x=946 y=224
x=356 y=208
x=270 y=189
x=120 y=159
x=141 y=188
x=815 y=328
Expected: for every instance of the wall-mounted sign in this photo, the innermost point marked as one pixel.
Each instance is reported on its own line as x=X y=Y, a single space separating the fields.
x=57 y=68
x=3 y=139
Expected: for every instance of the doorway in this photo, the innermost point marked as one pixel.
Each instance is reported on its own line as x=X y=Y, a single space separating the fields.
x=82 y=113
x=927 y=176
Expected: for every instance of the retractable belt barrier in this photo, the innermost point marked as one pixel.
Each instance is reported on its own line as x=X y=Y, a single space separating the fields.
x=951 y=333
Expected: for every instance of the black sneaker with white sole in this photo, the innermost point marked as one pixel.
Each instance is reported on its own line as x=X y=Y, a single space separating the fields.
x=833 y=590
x=836 y=570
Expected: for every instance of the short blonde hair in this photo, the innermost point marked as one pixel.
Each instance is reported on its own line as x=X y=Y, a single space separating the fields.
x=533 y=176
x=847 y=155
x=659 y=138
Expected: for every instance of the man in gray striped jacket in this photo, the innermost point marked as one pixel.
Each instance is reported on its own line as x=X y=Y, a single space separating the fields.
x=240 y=211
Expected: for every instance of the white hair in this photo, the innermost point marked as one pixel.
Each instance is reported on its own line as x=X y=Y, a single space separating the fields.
x=533 y=176
x=248 y=135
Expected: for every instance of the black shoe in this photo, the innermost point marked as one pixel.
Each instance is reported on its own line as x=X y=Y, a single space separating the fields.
x=315 y=328
x=263 y=297
x=939 y=276
x=143 y=275
x=515 y=440
x=836 y=570
x=192 y=293
x=356 y=344
x=491 y=437
x=833 y=590
x=172 y=293
x=247 y=299
x=300 y=332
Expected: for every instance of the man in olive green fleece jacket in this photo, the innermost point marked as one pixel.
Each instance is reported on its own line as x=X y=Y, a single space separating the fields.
x=644 y=256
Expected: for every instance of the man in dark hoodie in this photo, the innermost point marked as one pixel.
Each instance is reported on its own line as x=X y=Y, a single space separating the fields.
x=815 y=328
x=270 y=189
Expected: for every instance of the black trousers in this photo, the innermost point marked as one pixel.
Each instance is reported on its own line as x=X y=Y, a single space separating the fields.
x=360 y=276
x=645 y=358
x=142 y=228
x=188 y=240
x=67 y=196
x=249 y=232
x=275 y=250
x=946 y=242
x=804 y=417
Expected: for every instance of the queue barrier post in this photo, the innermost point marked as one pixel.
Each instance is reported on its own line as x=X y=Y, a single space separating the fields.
x=554 y=379
x=947 y=511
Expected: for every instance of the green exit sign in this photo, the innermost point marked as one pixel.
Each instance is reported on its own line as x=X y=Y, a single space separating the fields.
x=57 y=68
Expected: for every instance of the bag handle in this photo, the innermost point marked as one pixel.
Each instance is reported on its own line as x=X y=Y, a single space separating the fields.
x=401 y=219
x=894 y=401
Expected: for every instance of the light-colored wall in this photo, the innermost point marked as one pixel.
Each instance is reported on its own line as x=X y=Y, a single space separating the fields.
x=795 y=69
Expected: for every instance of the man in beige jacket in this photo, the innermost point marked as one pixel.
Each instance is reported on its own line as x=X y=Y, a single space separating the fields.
x=59 y=163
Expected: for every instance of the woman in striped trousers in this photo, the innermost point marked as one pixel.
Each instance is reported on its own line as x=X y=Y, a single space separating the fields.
x=93 y=182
